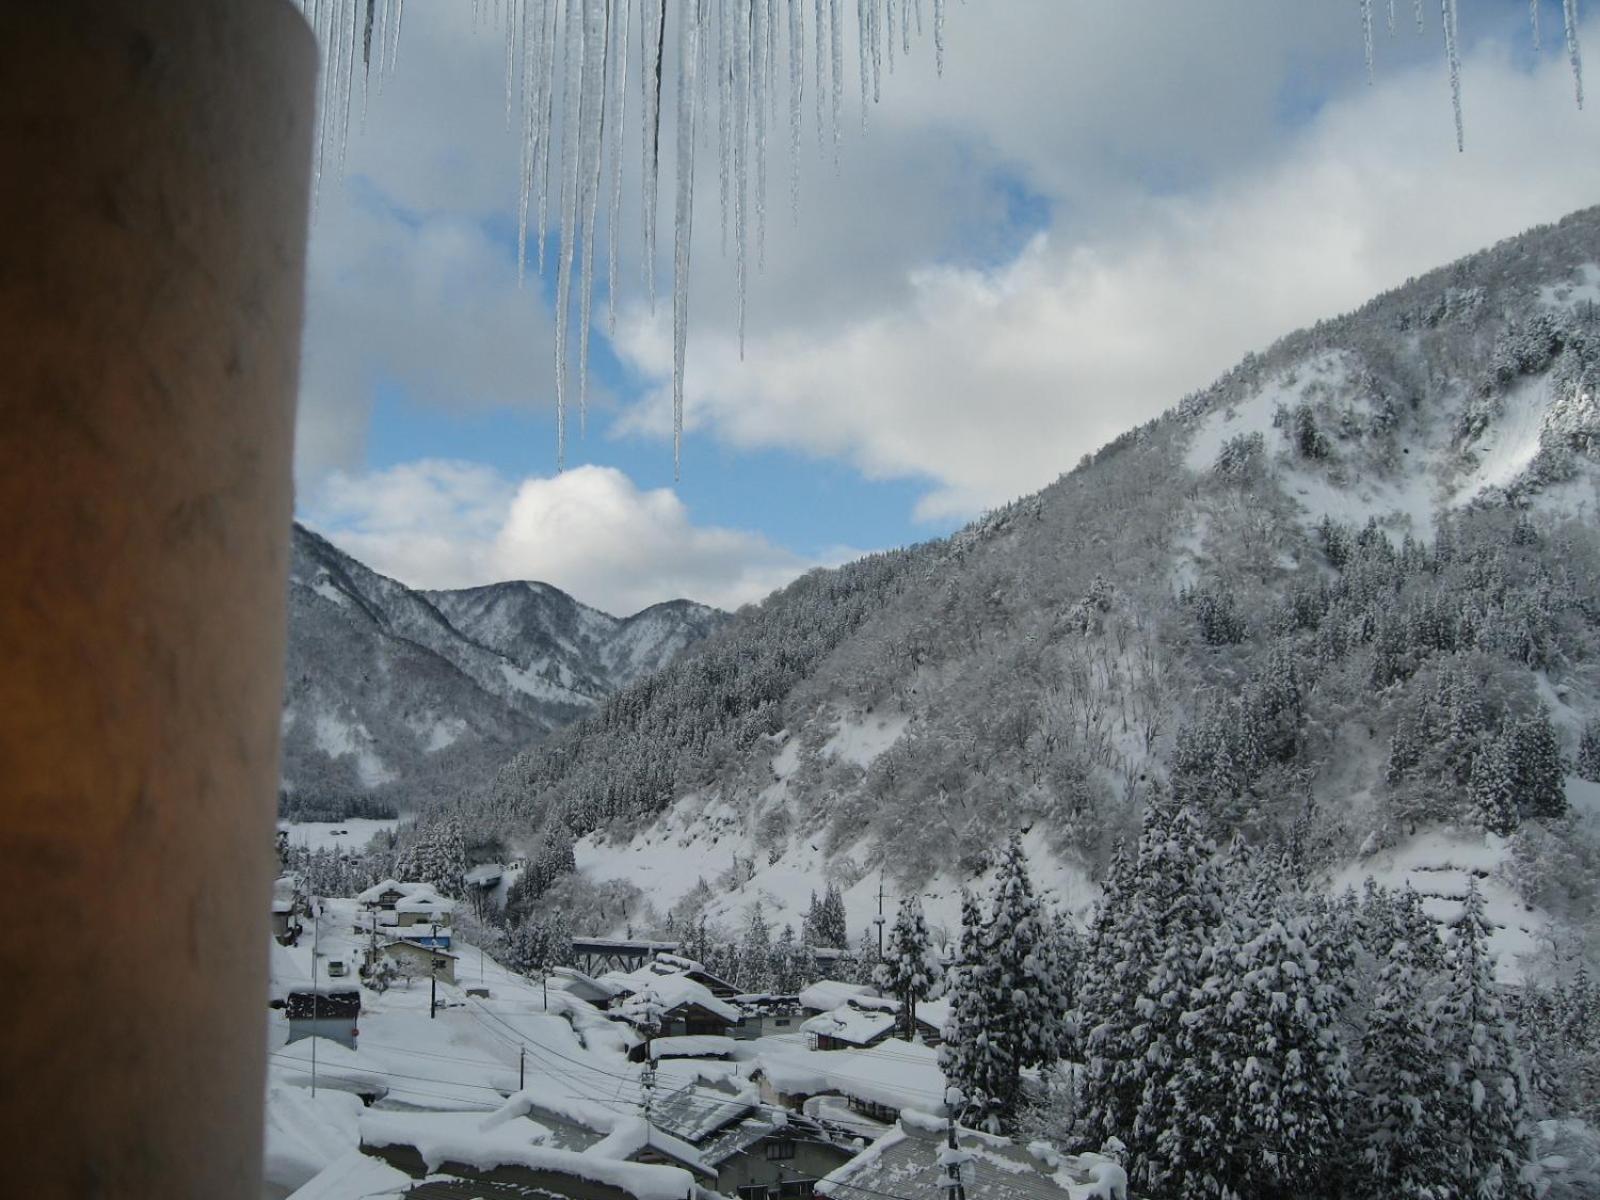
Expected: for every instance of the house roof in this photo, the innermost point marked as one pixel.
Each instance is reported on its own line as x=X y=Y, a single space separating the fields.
x=895 y=1073
x=425 y=900
x=384 y=886
x=691 y=1047
x=909 y=1161
x=416 y=945
x=849 y=1023
x=828 y=994
x=675 y=991
x=592 y=1128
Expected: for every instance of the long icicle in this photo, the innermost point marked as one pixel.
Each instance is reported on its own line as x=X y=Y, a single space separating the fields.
x=1366 y=35
x=1452 y=53
x=651 y=49
x=571 y=176
x=683 y=217
x=740 y=85
x=597 y=38
x=1533 y=18
x=621 y=21
x=546 y=118
x=1569 y=12
x=797 y=88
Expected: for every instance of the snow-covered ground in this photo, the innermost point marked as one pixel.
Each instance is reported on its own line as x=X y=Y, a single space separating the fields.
x=335 y=835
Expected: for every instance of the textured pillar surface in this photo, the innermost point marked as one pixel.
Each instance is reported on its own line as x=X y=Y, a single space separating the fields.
x=154 y=159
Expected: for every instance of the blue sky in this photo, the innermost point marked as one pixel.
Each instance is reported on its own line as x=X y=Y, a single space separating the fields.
x=1096 y=209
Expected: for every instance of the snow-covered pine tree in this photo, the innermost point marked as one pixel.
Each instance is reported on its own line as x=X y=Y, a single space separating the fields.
x=1588 y=760
x=1400 y=1089
x=829 y=929
x=1484 y=1106
x=1492 y=791
x=1177 y=907
x=970 y=1056
x=910 y=968
x=754 y=971
x=866 y=956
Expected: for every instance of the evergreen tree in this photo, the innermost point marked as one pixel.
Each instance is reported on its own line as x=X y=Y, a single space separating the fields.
x=754 y=970
x=1009 y=1018
x=830 y=928
x=1492 y=792
x=1401 y=1089
x=866 y=956
x=1588 y=762
x=1486 y=1089
x=1541 y=775
x=910 y=968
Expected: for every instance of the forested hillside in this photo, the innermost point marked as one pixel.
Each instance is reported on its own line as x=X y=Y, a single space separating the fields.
x=1343 y=598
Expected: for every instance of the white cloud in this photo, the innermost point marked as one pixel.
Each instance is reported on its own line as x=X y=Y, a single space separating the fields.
x=993 y=380
x=589 y=531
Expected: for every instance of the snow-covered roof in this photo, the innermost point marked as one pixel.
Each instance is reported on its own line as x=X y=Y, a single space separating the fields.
x=426 y=900
x=615 y=1134
x=488 y=1149
x=691 y=1047
x=910 y=1161
x=283 y=906
x=828 y=994
x=355 y=1174
x=851 y=1024
x=673 y=991
x=412 y=942
x=897 y=1074
x=484 y=874
x=377 y=891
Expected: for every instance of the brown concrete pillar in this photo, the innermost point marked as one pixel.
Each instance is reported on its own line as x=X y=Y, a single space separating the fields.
x=153 y=185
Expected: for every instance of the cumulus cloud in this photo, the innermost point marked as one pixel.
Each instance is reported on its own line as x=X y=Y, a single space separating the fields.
x=589 y=531
x=995 y=379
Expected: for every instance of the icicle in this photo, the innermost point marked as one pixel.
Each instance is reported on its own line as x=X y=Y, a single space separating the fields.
x=875 y=12
x=741 y=90
x=399 y=15
x=823 y=41
x=836 y=38
x=1533 y=17
x=619 y=106
x=938 y=33
x=888 y=16
x=573 y=42
x=905 y=27
x=651 y=50
x=546 y=117
x=592 y=131
x=1452 y=53
x=683 y=216
x=323 y=34
x=511 y=57
x=366 y=58
x=1417 y=4
x=1366 y=34
x=1391 y=18
x=533 y=15
x=864 y=33
x=349 y=86
x=1569 y=12
x=797 y=80
x=724 y=97
x=758 y=84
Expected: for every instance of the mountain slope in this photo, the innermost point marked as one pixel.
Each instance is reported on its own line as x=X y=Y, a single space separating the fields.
x=1201 y=609
x=408 y=695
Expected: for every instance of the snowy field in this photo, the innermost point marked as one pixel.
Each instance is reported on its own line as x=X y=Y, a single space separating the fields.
x=335 y=835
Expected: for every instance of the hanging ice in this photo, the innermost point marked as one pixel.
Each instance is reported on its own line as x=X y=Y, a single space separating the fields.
x=1569 y=13
x=569 y=58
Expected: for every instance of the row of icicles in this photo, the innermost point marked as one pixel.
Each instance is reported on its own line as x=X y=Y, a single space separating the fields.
x=1452 y=45
x=728 y=55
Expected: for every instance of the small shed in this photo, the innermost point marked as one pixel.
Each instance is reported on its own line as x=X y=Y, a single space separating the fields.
x=330 y=1011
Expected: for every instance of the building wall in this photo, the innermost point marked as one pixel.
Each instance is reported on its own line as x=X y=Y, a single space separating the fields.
x=753 y=1167
x=422 y=960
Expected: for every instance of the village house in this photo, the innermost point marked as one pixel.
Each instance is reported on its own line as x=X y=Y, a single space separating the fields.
x=878 y=1083
x=767 y=1015
x=676 y=1006
x=825 y=995
x=863 y=1021
x=423 y=906
x=421 y=960
x=754 y=1152
x=511 y=1156
x=912 y=1161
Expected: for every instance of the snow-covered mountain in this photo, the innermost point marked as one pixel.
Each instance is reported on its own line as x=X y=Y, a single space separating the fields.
x=1325 y=600
x=410 y=695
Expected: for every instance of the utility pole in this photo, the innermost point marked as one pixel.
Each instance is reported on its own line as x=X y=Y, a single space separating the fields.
x=879 y=920
x=433 y=975
x=953 y=1158
x=316 y=937
x=522 y=1067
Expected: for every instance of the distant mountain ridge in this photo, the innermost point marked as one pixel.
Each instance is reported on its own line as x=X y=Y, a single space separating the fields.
x=407 y=695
